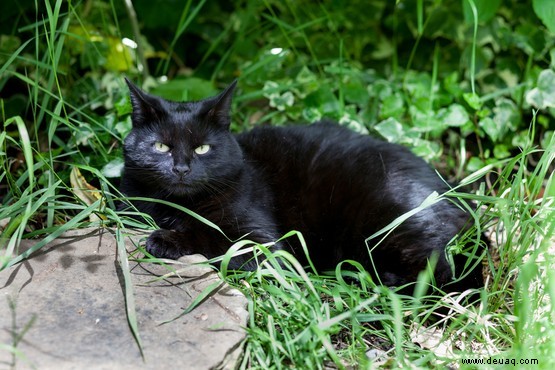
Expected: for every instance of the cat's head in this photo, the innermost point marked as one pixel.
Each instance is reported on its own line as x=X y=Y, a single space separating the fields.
x=178 y=149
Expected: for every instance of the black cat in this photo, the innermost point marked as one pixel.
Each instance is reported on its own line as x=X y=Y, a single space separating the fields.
x=335 y=186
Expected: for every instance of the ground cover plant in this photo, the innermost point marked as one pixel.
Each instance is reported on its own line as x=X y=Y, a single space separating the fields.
x=467 y=84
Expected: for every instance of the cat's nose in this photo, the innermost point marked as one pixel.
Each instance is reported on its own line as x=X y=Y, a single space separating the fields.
x=181 y=169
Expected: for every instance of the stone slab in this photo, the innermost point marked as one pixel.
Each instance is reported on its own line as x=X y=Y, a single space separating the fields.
x=64 y=308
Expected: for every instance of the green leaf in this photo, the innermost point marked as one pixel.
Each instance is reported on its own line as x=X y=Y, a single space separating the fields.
x=490 y=128
x=550 y=186
x=425 y=121
x=522 y=140
x=452 y=85
x=392 y=106
x=426 y=149
x=418 y=84
x=312 y=114
x=543 y=96
x=547 y=139
x=324 y=100
x=454 y=115
x=505 y=118
x=124 y=127
x=308 y=82
x=113 y=168
x=73 y=223
x=475 y=164
x=282 y=101
x=473 y=100
x=391 y=130
x=123 y=105
x=305 y=76
x=271 y=89
x=350 y=120
x=506 y=114
x=545 y=10
x=501 y=151
x=355 y=92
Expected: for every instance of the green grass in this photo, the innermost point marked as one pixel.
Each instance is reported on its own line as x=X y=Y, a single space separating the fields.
x=307 y=321
x=300 y=319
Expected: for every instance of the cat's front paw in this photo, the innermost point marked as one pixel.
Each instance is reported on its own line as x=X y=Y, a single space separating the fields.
x=164 y=244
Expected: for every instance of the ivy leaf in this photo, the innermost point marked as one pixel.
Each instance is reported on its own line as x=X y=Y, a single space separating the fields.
x=452 y=85
x=123 y=105
x=454 y=115
x=548 y=139
x=124 y=127
x=391 y=130
x=490 y=128
x=505 y=118
x=305 y=76
x=418 y=84
x=270 y=89
x=380 y=89
x=521 y=140
x=473 y=100
x=281 y=102
x=474 y=164
x=501 y=151
x=350 y=121
x=355 y=92
x=113 y=168
x=543 y=96
x=324 y=100
x=545 y=10
x=312 y=114
x=426 y=149
x=392 y=106
x=307 y=81
x=424 y=121
x=506 y=114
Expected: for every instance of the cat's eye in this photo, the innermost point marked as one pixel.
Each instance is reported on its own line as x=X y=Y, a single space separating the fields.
x=162 y=148
x=203 y=149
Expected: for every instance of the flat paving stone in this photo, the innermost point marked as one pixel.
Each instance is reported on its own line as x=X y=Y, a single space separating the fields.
x=64 y=308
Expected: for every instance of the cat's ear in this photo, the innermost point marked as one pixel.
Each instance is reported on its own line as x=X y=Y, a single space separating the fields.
x=146 y=108
x=220 y=111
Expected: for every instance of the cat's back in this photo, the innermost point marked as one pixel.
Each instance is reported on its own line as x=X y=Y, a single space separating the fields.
x=325 y=168
x=300 y=145
x=326 y=150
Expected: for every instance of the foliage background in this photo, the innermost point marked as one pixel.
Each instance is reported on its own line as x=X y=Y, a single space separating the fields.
x=467 y=84
x=409 y=71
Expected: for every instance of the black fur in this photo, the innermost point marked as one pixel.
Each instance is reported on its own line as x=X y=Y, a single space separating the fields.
x=335 y=186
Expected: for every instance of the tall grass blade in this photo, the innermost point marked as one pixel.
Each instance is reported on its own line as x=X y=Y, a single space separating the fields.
x=26 y=147
x=71 y=224
x=184 y=22
x=128 y=286
x=474 y=38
